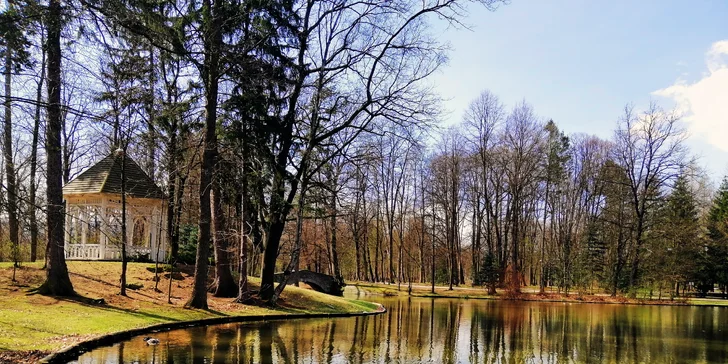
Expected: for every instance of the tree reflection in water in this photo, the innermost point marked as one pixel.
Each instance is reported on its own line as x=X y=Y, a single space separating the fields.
x=451 y=331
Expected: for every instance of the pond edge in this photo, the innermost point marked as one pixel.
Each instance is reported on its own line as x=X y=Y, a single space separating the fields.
x=74 y=351
x=681 y=302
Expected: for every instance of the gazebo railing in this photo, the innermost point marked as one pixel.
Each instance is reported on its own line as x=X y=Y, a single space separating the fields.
x=114 y=253
x=83 y=251
x=94 y=252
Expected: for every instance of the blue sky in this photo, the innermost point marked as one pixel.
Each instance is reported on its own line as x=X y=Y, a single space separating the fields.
x=581 y=62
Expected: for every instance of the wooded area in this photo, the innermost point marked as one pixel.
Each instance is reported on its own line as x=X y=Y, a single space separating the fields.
x=305 y=135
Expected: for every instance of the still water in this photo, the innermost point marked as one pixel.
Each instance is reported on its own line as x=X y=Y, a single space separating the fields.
x=422 y=330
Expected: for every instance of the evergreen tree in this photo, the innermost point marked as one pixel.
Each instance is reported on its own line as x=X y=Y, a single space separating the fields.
x=682 y=233
x=713 y=259
x=594 y=252
x=617 y=219
x=489 y=274
x=554 y=172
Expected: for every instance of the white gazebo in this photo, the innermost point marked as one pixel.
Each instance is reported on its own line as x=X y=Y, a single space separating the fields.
x=93 y=213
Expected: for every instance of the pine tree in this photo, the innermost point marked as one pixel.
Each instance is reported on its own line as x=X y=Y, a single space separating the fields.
x=712 y=264
x=489 y=273
x=617 y=220
x=554 y=172
x=682 y=232
x=717 y=222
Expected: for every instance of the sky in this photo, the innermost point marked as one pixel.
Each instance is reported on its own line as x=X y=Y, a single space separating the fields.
x=580 y=62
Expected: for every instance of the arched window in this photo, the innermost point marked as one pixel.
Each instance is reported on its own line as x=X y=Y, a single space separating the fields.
x=114 y=237
x=94 y=225
x=140 y=237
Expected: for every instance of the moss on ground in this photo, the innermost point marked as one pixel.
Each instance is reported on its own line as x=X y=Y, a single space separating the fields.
x=34 y=322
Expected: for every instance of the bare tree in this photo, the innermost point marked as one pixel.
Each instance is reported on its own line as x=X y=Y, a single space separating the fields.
x=336 y=43
x=650 y=147
x=524 y=142
x=447 y=169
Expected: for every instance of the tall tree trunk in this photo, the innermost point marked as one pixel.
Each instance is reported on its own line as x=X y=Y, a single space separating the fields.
x=270 y=255
x=124 y=237
x=358 y=252
x=369 y=272
x=422 y=228
x=12 y=206
x=378 y=274
x=151 y=137
x=57 y=281
x=515 y=280
x=356 y=228
x=542 y=280
x=333 y=251
x=213 y=40
x=432 y=253
x=246 y=229
x=224 y=284
x=33 y=218
x=637 y=253
x=400 y=257
x=474 y=244
x=297 y=246
x=390 y=251
x=171 y=223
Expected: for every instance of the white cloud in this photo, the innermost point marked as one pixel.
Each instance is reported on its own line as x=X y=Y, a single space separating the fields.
x=705 y=102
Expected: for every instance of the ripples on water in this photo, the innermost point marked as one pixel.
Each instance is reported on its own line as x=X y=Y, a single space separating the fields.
x=421 y=330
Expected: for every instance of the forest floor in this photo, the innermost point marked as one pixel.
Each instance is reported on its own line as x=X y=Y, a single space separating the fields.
x=32 y=326
x=527 y=294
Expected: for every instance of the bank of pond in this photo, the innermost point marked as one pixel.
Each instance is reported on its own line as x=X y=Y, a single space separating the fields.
x=449 y=330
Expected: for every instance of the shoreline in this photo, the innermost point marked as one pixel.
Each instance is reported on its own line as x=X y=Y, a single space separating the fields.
x=73 y=352
x=32 y=326
x=379 y=289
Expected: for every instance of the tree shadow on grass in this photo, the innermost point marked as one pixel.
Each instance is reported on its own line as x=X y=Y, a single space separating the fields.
x=216 y=312
x=110 y=284
x=30 y=328
x=89 y=302
x=100 y=304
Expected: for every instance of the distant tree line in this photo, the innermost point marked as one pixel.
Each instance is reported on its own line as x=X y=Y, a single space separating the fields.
x=505 y=199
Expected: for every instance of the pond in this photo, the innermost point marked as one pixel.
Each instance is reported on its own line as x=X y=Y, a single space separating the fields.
x=451 y=331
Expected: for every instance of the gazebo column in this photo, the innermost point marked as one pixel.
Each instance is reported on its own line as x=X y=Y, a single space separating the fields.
x=130 y=249
x=153 y=228
x=83 y=216
x=103 y=238
x=162 y=229
x=82 y=219
x=67 y=229
x=165 y=232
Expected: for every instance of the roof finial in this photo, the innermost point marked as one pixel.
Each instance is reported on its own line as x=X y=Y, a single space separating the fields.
x=119 y=152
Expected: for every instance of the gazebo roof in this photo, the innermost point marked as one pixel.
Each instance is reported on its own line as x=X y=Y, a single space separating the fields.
x=105 y=177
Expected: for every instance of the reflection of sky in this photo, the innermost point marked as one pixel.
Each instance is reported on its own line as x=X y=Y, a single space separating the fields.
x=458 y=331
x=580 y=62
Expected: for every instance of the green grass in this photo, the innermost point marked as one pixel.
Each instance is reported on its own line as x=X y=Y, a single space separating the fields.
x=529 y=294
x=707 y=302
x=27 y=324
x=35 y=322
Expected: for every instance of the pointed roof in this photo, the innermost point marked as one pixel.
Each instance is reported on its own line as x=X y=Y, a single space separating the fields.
x=105 y=177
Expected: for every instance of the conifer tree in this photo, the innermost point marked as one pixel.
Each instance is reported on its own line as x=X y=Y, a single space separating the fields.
x=713 y=259
x=682 y=232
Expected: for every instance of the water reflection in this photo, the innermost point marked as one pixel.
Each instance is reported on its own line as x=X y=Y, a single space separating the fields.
x=451 y=331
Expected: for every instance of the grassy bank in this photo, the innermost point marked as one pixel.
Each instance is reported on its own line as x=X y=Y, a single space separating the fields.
x=32 y=325
x=527 y=294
